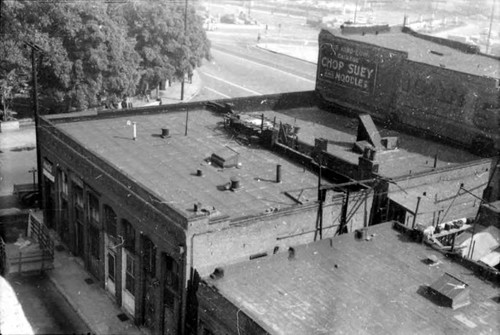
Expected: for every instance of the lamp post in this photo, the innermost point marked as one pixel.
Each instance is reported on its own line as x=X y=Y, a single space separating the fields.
x=34 y=49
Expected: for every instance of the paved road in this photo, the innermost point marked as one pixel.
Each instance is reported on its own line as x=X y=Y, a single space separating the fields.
x=239 y=68
x=43 y=307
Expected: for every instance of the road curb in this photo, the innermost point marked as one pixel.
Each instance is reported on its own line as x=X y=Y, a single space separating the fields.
x=284 y=54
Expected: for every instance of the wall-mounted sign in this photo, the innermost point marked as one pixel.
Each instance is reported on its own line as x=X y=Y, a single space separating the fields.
x=348 y=66
x=47 y=170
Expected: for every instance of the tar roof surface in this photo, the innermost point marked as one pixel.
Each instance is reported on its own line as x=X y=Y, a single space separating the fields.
x=346 y=286
x=412 y=155
x=419 y=50
x=168 y=166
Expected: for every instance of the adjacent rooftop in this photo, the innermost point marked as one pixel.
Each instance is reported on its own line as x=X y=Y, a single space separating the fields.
x=375 y=286
x=425 y=51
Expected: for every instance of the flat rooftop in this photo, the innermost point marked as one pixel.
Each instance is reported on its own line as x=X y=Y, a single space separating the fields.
x=412 y=155
x=168 y=166
x=348 y=286
x=419 y=50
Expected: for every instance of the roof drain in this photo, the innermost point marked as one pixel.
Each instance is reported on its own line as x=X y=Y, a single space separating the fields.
x=235 y=183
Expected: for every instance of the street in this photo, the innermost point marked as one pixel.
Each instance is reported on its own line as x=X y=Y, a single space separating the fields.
x=42 y=308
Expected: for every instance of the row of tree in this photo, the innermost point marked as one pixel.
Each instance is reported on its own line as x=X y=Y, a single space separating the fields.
x=93 y=51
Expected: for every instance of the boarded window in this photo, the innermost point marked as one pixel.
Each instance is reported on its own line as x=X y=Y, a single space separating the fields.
x=172 y=273
x=94 y=241
x=149 y=256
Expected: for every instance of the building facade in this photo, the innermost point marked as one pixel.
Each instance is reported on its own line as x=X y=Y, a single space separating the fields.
x=445 y=88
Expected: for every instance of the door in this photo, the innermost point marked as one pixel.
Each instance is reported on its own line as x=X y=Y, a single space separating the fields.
x=128 y=281
x=79 y=239
x=49 y=202
x=171 y=270
x=110 y=269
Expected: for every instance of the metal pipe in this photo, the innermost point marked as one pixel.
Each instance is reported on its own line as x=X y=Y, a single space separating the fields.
x=278 y=173
x=34 y=71
x=185 y=37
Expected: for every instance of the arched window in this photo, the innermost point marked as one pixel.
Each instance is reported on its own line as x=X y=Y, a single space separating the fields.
x=128 y=236
x=110 y=220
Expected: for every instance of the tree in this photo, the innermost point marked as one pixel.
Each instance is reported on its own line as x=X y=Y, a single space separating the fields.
x=98 y=50
x=14 y=67
x=87 y=55
x=167 y=50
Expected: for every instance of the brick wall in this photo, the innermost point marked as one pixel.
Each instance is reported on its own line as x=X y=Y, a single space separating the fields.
x=445 y=102
x=227 y=243
x=441 y=187
x=378 y=95
x=220 y=316
x=419 y=97
x=151 y=217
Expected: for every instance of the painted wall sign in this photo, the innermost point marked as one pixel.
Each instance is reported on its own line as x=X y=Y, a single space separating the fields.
x=348 y=66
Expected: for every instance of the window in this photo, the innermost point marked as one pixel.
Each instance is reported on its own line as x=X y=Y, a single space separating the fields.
x=130 y=274
x=94 y=241
x=111 y=266
x=129 y=236
x=149 y=256
x=78 y=202
x=110 y=220
x=63 y=182
x=172 y=273
x=64 y=211
x=93 y=208
x=78 y=196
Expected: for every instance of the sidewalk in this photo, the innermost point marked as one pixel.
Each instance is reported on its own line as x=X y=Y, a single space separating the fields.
x=172 y=95
x=90 y=301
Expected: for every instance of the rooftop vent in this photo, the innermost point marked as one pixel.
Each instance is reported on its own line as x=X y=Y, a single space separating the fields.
x=165 y=132
x=449 y=291
x=225 y=158
x=235 y=183
x=218 y=273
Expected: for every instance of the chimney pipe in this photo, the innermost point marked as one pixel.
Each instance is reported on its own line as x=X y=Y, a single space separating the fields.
x=235 y=183
x=278 y=173
x=165 y=132
x=134 y=126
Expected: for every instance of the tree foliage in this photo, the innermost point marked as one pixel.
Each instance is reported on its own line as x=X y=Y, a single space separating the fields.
x=97 y=50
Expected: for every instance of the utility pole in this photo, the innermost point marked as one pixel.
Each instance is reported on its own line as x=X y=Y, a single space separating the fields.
x=34 y=50
x=185 y=37
x=355 y=12
x=491 y=24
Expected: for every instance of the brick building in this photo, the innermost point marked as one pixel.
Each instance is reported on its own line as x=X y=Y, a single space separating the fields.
x=151 y=198
x=444 y=88
x=385 y=285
